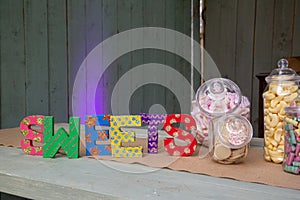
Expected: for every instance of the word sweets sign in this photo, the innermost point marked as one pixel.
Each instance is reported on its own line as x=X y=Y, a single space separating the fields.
x=43 y=141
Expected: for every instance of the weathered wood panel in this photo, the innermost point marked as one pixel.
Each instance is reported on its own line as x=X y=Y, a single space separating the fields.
x=137 y=56
x=248 y=37
x=196 y=27
x=76 y=46
x=273 y=40
x=182 y=14
x=296 y=29
x=45 y=42
x=212 y=28
x=123 y=62
x=221 y=35
x=12 y=63
x=111 y=76
x=57 y=60
x=36 y=50
x=152 y=92
x=170 y=60
x=185 y=65
x=244 y=42
x=93 y=38
x=262 y=60
x=283 y=29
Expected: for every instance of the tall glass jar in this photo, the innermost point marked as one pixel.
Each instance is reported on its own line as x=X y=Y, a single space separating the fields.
x=291 y=161
x=283 y=84
x=216 y=97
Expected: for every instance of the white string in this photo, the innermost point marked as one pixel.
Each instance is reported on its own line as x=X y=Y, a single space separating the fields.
x=201 y=43
x=192 y=50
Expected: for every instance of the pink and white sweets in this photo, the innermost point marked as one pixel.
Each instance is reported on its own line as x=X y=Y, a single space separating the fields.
x=217 y=97
x=203 y=119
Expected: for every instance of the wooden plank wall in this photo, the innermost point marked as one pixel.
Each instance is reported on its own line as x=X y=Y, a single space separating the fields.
x=44 y=42
x=248 y=37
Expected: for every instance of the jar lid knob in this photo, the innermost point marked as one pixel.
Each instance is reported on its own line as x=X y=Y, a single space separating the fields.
x=283 y=63
x=217 y=89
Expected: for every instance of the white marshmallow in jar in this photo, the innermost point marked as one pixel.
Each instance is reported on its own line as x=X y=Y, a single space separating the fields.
x=214 y=98
x=232 y=134
x=283 y=84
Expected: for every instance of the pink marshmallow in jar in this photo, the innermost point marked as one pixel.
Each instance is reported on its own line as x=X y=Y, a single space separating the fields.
x=214 y=98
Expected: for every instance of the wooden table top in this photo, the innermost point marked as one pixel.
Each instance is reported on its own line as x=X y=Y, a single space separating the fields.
x=62 y=178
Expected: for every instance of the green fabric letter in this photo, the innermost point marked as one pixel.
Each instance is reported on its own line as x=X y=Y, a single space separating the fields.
x=61 y=139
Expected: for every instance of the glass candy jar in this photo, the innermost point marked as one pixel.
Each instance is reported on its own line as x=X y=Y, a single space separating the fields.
x=280 y=92
x=214 y=98
x=291 y=161
x=231 y=137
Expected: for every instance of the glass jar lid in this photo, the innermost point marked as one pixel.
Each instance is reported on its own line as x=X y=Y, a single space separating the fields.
x=283 y=73
x=218 y=96
x=234 y=131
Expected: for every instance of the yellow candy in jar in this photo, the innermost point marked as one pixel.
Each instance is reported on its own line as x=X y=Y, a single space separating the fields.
x=281 y=91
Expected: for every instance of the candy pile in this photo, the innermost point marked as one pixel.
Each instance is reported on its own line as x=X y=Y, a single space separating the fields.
x=232 y=135
x=276 y=98
x=229 y=102
x=203 y=120
x=214 y=98
x=292 y=144
x=283 y=84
